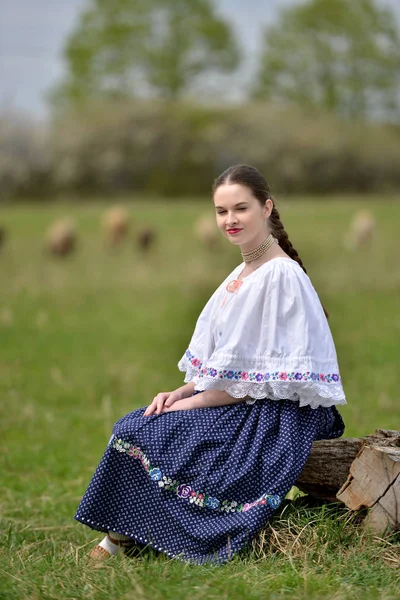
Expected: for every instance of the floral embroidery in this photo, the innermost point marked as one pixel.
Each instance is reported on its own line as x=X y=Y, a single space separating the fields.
x=135 y=452
x=212 y=502
x=155 y=474
x=185 y=491
x=260 y=377
x=194 y=361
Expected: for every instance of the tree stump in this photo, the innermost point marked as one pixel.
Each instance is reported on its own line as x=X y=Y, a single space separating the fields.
x=361 y=473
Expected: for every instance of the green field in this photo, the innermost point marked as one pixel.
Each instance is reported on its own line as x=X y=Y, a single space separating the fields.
x=87 y=339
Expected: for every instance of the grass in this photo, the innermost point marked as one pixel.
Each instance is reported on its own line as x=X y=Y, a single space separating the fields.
x=85 y=340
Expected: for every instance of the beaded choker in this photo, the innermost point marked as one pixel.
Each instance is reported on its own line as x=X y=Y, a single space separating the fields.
x=260 y=250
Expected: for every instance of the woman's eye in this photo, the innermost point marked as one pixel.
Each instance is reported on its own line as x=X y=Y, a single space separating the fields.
x=243 y=208
x=221 y=212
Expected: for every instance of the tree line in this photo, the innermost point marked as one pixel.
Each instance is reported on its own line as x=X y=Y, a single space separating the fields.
x=334 y=55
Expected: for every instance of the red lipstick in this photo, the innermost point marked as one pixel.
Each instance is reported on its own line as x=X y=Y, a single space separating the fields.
x=233 y=231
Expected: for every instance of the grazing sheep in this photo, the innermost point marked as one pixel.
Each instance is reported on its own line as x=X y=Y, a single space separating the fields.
x=61 y=238
x=207 y=232
x=362 y=230
x=115 y=223
x=146 y=238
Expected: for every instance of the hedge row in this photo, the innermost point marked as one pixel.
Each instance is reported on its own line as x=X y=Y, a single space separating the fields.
x=178 y=149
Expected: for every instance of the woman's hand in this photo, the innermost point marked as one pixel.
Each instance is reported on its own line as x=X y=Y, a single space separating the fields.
x=163 y=400
x=171 y=401
x=206 y=399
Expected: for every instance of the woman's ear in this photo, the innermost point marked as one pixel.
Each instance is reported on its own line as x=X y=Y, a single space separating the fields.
x=269 y=205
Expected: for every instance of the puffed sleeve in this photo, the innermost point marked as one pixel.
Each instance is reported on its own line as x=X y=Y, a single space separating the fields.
x=273 y=341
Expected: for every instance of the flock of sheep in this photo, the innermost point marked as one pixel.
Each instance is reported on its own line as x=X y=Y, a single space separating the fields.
x=61 y=237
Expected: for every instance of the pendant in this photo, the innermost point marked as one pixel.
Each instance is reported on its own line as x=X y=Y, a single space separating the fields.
x=234 y=285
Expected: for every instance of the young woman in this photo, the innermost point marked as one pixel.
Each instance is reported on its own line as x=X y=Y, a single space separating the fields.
x=200 y=471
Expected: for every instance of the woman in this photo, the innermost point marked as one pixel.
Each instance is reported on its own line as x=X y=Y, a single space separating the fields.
x=199 y=472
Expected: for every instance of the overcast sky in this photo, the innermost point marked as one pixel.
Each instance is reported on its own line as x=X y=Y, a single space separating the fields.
x=33 y=32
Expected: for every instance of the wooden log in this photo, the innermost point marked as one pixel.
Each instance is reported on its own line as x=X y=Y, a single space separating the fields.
x=360 y=472
x=374 y=482
x=328 y=466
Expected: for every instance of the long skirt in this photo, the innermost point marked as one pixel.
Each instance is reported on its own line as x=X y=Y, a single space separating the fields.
x=200 y=484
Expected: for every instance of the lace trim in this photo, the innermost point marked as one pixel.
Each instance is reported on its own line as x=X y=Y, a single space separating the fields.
x=309 y=389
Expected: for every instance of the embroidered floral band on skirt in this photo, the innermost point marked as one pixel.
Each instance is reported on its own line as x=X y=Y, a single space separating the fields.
x=200 y=484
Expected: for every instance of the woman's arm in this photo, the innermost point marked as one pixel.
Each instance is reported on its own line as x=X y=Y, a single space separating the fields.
x=185 y=391
x=205 y=399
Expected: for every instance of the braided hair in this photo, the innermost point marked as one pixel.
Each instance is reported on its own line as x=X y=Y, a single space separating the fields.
x=256 y=182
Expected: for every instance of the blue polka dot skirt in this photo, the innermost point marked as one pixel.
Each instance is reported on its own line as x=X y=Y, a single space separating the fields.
x=200 y=484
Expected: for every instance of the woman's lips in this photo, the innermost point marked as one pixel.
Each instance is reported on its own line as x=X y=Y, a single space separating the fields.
x=233 y=231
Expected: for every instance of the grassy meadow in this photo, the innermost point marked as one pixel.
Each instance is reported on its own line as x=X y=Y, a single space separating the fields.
x=90 y=338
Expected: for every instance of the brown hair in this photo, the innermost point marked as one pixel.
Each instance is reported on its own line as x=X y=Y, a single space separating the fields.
x=256 y=182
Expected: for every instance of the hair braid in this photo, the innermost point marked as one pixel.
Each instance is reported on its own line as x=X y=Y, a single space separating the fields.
x=279 y=232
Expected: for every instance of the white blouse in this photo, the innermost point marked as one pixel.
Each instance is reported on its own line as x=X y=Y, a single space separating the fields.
x=267 y=339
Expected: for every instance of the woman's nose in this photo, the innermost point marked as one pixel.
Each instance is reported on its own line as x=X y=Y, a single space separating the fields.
x=232 y=219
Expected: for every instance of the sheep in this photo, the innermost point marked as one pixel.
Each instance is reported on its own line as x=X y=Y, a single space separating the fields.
x=145 y=238
x=362 y=230
x=115 y=223
x=61 y=238
x=206 y=231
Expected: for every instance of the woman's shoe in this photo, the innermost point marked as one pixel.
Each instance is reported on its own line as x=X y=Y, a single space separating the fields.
x=98 y=554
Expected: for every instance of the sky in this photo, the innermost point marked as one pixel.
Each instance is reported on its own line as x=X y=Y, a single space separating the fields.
x=33 y=32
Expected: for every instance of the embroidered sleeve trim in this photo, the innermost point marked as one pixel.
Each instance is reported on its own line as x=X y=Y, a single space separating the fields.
x=255 y=376
x=185 y=491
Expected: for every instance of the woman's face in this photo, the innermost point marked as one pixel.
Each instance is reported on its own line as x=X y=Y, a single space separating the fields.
x=240 y=216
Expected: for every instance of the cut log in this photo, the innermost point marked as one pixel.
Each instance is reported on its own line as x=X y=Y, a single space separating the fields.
x=360 y=472
x=374 y=482
x=328 y=466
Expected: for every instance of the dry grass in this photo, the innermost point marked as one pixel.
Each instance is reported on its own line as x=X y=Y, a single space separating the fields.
x=301 y=531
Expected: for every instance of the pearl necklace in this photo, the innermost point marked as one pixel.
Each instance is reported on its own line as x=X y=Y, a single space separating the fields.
x=260 y=250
